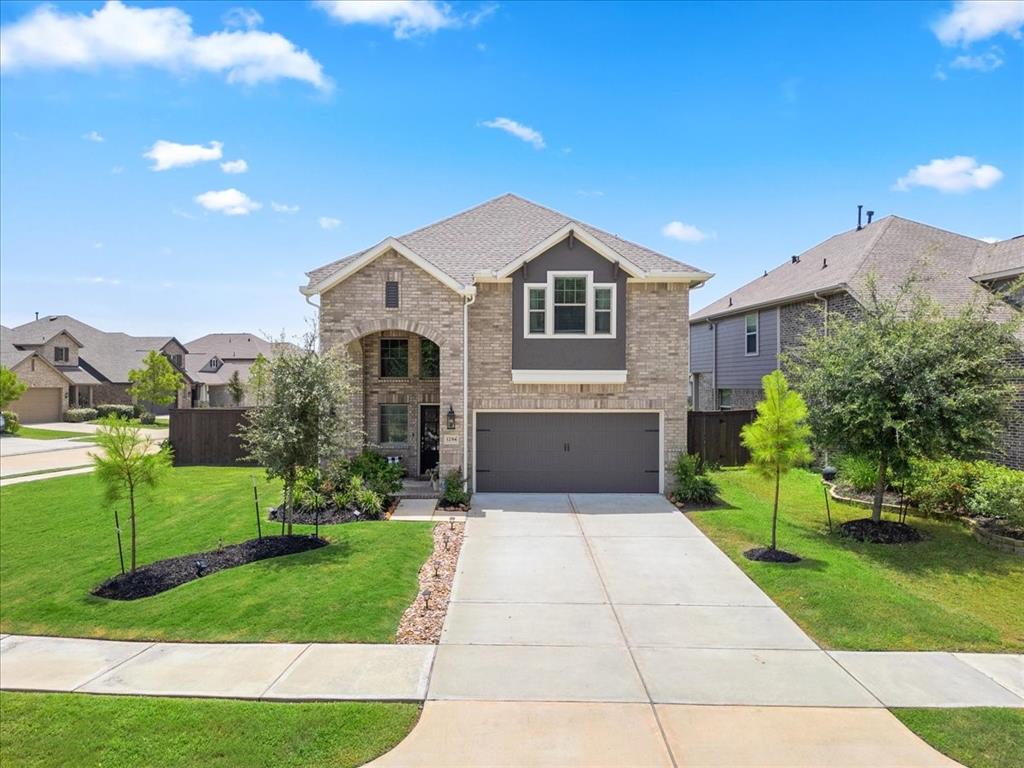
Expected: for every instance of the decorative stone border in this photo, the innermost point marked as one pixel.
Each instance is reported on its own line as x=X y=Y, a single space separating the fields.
x=994 y=540
x=423 y=620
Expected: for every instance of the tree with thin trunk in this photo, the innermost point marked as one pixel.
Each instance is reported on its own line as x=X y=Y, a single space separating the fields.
x=906 y=377
x=157 y=381
x=236 y=388
x=11 y=387
x=127 y=463
x=306 y=418
x=778 y=438
x=259 y=378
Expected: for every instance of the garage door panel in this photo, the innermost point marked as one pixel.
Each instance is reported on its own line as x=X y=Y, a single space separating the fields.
x=558 y=452
x=39 y=405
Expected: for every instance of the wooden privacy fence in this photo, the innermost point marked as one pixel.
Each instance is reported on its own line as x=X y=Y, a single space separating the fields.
x=207 y=436
x=715 y=436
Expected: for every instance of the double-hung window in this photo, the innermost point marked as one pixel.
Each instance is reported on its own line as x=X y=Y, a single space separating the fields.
x=751 y=333
x=569 y=304
x=394 y=358
x=430 y=359
x=61 y=355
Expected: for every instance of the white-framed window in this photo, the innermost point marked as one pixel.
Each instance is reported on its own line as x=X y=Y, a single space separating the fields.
x=725 y=399
x=751 y=321
x=569 y=305
x=61 y=355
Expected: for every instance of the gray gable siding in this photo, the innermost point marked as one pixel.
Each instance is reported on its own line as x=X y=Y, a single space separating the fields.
x=702 y=347
x=569 y=354
x=737 y=370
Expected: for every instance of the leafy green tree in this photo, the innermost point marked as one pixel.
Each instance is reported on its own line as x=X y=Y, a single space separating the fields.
x=236 y=388
x=905 y=379
x=778 y=438
x=127 y=462
x=259 y=377
x=156 y=382
x=11 y=387
x=306 y=418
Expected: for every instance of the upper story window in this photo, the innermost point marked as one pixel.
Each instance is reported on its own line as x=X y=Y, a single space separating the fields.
x=569 y=304
x=430 y=360
x=175 y=360
x=391 y=294
x=61 y=354
x=394 y=358
x=751 y=333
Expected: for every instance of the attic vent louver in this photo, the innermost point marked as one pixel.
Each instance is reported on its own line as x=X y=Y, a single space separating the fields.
x=794 y=259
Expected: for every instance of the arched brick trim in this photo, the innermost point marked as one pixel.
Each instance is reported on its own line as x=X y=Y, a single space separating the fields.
x=393 y=324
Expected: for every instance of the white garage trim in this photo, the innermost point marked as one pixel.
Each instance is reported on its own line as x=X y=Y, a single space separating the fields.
x=541 y=376
x=661 y=430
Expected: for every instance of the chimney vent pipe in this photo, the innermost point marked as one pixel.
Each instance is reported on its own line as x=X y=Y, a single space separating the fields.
x=860 y=209
x=871 y=215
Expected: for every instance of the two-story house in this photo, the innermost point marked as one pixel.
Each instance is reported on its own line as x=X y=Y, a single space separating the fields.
x=744 y=335
x=535 y=352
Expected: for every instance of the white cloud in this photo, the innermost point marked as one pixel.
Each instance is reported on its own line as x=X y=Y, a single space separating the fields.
x=284 y=207
x=234 y=166
x=326 y=222
x=983 y=62
x=93 y=136
x=972 y=20
x=989 y=240
x=952 y=174
x=230 y=202
x=168 y=154
x=520 y=131
x=407 y=18
x=118 y=35
x=687 y=233
x=98 y=280
x=117 y=170
x=242 y=18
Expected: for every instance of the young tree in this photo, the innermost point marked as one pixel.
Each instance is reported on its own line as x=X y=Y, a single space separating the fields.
x=259 y=377
x=236 y=388
x=778 y=438
x=306 y=417
x=127 y=462
x=905 y=379
x=156 y=382
x=11 y=387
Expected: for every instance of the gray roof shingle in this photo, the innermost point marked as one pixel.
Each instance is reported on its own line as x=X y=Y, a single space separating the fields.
x=891 y=249
x=1005 y=256
x=495 y=233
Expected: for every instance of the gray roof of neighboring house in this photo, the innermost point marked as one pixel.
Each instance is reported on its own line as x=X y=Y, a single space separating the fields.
x=106 y=356
x=10 y=355
x=195 y=362
x=232 y=346
x=1004 y=256
x=891 y=249
x=496 y=233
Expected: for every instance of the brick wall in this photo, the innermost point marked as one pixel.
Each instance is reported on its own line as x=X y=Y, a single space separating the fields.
x=36 y=373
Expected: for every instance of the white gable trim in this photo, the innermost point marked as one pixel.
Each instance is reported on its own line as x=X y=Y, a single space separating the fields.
x=572 y=228
x=389 y=244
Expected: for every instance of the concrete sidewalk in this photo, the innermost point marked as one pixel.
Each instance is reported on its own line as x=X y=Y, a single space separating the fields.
x=271 y=671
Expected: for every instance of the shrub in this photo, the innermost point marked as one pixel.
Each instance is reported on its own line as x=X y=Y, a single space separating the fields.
x=859 y=472
x=382 y=478
x=137 y=410
x=362 y=497
x=147 y=418
x=113 y=409
x=11 y=423
x=77 y=415
x=693 y=486
x=942 y=485
x=455 y=493
x=309 y=489
x=998 y=492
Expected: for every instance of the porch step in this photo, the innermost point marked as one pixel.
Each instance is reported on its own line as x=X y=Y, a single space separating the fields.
x=417 y=489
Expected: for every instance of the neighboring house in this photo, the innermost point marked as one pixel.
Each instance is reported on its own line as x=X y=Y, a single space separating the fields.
x=533 y=351
x=739 y=338
x=93 y=365
x=214 y=358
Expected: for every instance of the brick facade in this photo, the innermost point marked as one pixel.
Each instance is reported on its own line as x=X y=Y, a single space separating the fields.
x=36 y=374
x=353 y=317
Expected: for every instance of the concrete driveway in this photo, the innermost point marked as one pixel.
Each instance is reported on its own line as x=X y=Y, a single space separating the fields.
x=608 y=630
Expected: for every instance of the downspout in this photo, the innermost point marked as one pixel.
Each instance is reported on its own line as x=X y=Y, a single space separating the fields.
x=465 y=385
x=714 y=364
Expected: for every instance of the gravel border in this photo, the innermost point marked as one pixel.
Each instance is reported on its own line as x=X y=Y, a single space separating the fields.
x=422 y=622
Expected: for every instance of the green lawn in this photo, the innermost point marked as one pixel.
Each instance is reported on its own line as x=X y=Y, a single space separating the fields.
x=76 y=730
x=57 y=541
x=946 y=593
x=160 y=424
x=34 y=433
x=977 y=737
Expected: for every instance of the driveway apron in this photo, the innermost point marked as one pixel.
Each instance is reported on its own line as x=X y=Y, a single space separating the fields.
x=598 y=629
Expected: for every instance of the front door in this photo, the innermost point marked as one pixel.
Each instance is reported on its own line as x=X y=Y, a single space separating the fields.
x=430 y=424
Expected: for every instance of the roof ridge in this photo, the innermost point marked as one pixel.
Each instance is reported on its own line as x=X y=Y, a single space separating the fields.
x=940 y=229
x=453 y=216
x=872 y=243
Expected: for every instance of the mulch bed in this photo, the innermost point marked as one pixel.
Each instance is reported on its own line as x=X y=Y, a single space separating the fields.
x=166 y=574
x=769 y=555
x=331 y=514
x=422 y=621
x=453 y=507
x=890 y=496
x=884 y=532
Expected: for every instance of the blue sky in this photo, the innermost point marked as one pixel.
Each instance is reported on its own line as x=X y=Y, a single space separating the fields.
x=727 y=136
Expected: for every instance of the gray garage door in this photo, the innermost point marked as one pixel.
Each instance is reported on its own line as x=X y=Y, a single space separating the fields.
x=567 y=452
